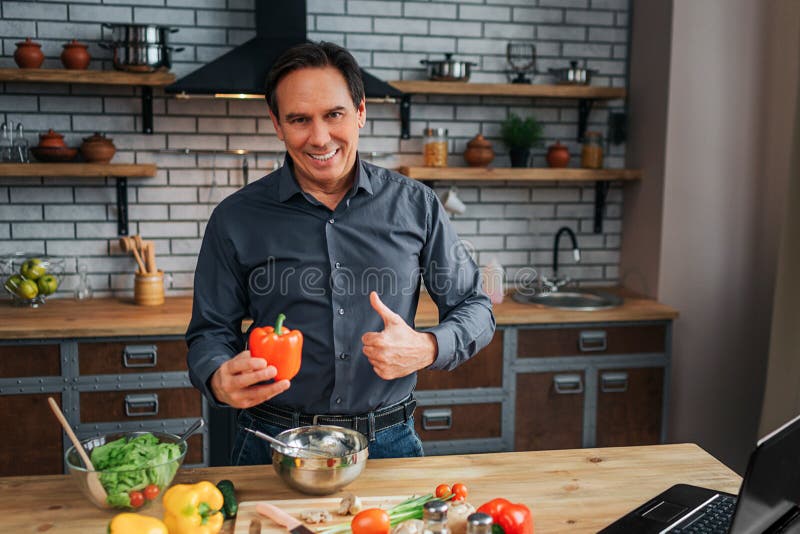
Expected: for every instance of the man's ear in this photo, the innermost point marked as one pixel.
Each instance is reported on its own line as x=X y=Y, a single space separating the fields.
x=362 y=113
x=276 y=124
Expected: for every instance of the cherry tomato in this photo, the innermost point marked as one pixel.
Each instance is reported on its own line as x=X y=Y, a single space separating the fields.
x=137 y=498
x=151 y=492
x=442 y=490
x=459 y=492
x=371 y=521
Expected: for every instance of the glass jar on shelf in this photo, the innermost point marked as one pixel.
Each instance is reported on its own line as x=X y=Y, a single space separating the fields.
x=435 y=147
x=592 y=151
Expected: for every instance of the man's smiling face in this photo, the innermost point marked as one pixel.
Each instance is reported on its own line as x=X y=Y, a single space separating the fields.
x=319 y=124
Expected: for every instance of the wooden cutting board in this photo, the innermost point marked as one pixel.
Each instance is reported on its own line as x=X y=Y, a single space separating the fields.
x=294 y=507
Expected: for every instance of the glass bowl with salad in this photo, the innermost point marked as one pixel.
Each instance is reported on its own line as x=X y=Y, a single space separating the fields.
x=131 y=469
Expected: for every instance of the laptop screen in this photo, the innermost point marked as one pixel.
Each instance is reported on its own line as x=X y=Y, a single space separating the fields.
x=771 y=487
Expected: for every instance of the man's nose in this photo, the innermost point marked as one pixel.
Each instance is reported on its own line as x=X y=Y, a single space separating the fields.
x=320 y=134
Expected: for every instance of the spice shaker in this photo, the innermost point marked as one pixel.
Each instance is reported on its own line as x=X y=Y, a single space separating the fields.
x=435 y=147
x=479 y=523
x=592 y=151
x=434 y=513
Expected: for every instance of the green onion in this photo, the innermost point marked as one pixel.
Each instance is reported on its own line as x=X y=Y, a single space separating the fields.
x=411 y=508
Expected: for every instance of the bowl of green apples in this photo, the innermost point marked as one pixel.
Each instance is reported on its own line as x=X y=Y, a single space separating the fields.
x=31 y=278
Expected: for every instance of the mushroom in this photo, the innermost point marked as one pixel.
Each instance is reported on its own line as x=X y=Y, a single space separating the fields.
x=411 y=526
x=350 y=504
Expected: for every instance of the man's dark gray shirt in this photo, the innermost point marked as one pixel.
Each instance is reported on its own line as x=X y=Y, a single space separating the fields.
x=271 y=248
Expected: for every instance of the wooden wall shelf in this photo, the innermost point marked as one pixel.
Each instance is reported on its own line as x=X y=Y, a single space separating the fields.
x=96 y=77
x=519 y=174
x=508 y=89
x=99 y=170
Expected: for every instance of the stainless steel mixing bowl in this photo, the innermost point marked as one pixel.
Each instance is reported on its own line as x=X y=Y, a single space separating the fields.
x=347 y=450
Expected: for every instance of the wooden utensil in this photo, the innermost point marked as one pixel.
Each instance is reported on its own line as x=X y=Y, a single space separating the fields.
x=93 y=480
x=150 y=257
x=127 y=244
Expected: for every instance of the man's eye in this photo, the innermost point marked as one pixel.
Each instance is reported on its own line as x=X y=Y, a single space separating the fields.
x=335 y=114
x=298 y=120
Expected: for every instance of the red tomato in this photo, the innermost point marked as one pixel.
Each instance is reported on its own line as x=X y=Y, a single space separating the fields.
x=137 y=498
x=442 y=490
x=371 y=521
x=151 y=492
x=459 y=492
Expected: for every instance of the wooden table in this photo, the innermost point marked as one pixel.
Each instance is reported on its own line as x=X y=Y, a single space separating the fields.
x=578 y=490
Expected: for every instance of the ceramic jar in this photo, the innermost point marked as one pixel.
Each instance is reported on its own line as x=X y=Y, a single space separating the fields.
x=75 y=56
x=557 y=155
x=479 y=152
x=97 y=149
x=51 y=139
x=29 y=54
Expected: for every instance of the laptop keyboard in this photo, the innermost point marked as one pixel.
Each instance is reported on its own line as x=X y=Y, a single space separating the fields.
x=712 y=519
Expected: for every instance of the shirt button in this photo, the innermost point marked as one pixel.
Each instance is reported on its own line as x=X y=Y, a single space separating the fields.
x=343 y=356
x=341 y=311
x=338 y=400
x=331 y=220
x=338 y=265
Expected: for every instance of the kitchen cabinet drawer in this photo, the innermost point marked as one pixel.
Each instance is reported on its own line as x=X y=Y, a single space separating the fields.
x=549 y=411
x=459 y=421
x=140 y=405
x=140 y=356
x=629 y=406
x=544 y=343
x=32 y=438
x=19 y=361
x=483 y=370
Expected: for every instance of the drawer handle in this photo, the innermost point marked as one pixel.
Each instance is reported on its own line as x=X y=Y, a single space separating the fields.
x=141 y=405
x=592 y=341
x=139 y=356
x=568 y=384
x=614 y=382
x=438 y=419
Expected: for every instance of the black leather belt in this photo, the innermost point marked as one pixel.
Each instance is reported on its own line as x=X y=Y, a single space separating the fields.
x=367 y=424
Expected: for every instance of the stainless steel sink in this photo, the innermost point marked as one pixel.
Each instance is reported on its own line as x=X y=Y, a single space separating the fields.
x=572 y=299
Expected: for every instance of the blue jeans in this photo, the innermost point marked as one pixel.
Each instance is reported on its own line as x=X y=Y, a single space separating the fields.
x=398 y=441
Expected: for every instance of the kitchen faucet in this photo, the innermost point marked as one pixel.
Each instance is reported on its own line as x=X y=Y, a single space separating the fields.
x=555 y=283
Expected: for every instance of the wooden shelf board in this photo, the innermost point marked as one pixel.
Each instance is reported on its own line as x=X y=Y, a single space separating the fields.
x=508 y=89
x=98 y=77
x=519 y=174
x=78 y=169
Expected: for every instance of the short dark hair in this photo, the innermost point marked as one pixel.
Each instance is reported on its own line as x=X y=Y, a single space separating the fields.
x=315 y=55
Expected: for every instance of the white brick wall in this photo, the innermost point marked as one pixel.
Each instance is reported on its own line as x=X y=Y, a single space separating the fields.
x=513 y=222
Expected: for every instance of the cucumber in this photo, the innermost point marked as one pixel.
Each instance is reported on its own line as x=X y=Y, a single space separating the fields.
x=229 y=506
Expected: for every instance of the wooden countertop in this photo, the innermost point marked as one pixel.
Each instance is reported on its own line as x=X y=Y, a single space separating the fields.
x=108 y=317
x=578 y=490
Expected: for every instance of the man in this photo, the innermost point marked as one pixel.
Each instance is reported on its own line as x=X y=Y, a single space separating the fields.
x=338 y=246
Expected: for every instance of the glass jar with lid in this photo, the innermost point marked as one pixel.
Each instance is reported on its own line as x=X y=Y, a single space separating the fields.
x=592 y=151
x=435 y=147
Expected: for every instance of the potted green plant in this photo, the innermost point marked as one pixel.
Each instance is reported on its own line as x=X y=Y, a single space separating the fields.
x=519 y=135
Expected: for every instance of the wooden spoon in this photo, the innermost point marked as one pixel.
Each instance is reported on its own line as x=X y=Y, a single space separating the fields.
x=150 y=257
x=128 y=245
x=93 y=480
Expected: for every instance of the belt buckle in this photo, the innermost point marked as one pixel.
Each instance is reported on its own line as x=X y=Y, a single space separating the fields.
x=315 y=419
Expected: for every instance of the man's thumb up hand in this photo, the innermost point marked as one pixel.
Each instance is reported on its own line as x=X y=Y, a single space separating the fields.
x=389 y=317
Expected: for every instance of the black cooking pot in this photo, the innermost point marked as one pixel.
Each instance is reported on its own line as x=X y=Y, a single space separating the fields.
x=139 y=34
x=141 y=57
x=448 y=70
x=573 y=74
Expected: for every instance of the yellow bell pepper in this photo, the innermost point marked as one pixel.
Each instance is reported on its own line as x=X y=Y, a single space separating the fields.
x=129 y=523
x=193 y=508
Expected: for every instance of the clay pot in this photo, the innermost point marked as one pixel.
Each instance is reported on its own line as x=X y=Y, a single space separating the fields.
x=75 y=56
x=557 y=155
x=29 y=54
x=51 y=139
x=97 y=149
x=479 y=152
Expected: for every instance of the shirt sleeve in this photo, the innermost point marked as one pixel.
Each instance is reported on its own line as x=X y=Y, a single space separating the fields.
x=466 y=322
x=220 y=303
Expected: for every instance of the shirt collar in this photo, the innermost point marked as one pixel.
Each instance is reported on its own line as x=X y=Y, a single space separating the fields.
x=288 y=186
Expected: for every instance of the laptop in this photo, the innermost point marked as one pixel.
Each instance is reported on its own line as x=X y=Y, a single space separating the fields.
x=767 y=502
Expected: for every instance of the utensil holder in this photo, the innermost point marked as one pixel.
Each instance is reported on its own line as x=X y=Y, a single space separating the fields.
x=148 y=289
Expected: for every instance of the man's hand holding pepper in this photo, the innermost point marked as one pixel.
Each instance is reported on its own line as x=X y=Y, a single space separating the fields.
x=236 y=382
x=398 y=350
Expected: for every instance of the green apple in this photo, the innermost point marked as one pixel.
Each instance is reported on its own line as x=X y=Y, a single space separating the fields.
x=33 y=269
x=47 y=284
x=12 y=282
x=27 y=289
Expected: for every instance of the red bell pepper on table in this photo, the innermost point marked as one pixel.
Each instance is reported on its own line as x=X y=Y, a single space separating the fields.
x=279 y=346
x=513 y=518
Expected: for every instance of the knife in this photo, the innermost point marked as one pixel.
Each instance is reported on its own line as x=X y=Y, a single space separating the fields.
x=282 y=518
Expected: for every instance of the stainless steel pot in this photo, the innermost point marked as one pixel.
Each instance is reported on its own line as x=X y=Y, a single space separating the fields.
x=573 y=74
x=141 y=58
x=448 y=70
x=139 y=33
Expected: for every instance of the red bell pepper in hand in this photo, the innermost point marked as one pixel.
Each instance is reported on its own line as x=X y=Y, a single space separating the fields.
x=279 y=346
x=512 y=518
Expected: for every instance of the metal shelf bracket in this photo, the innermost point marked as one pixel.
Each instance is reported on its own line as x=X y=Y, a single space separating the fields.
x=122 y=206
x=584 y=107
x=147 y=109
x=600 y=194
x=405 y=117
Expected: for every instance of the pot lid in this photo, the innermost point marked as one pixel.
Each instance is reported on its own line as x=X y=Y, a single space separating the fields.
x=97 y=137
x=29 y=42
x=448 y=59
x=51 y=135
x=479 y=141
x=75 y=44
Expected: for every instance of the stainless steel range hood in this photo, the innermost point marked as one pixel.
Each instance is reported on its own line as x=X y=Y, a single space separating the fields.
x=280 y=24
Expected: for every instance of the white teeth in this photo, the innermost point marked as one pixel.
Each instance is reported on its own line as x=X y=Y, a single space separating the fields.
x=323 y=157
